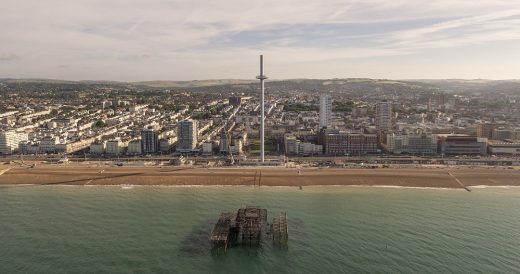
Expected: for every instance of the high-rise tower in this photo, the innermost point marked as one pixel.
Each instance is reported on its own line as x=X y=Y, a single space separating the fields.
x=325 y=110
x=149 y=140
x=262 y=78
x=383 y=116
x=187 y=135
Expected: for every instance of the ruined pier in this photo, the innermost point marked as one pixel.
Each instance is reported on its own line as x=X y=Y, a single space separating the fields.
x=247 y=227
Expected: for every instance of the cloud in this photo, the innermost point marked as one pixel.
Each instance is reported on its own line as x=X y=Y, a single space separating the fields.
x=161 y=34
x=134 y=57
x=8 y=57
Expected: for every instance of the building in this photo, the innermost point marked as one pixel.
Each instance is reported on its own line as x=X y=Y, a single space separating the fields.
x=48 y=144
x=114 y=147
x=10 y=140
x=504 y=148
x=231 y=142
x=291 y=145
x=136 y=108
x=134 y=147
x=383 y=119
x=485 y=130
x=463 y=145
x=224 y=142
x=424 y=143
x=106 y=104
x=207 y=148
x=165 y=145
x=236 y=146
x=306 y=148
x=63 y=122
x=203 y=126
x=27 y=147
x=359 y=112
x=76 y=146
x=294 y=146
x=187 y=136
x=344 y=143
x=501 y=134
x=515 y=134
x=325 y=110
x=149 y=141
x=235 y=100
x=98 y=147
x=442 y=99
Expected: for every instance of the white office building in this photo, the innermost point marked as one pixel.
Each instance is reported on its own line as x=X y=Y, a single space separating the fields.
x=325 y=110
x=10 y=140
x=424 y=143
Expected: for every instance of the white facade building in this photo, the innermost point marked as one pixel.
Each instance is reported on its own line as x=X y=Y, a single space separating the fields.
x=291 y=145
x=294 y=146
x=134 y=147
x=114 y=147
x=511 y=148
x=10 y=140
x=98 y=148
x=412 y=143
x=309 y=149
x=325 y=110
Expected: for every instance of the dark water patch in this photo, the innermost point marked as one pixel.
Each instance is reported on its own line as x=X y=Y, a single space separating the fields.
x=196 y=242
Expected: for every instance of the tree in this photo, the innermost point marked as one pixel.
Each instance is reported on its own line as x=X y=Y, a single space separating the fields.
x=343 y=106
x=100 y=123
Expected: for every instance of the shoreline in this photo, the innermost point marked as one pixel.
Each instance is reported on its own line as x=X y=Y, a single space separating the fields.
x=448 y=177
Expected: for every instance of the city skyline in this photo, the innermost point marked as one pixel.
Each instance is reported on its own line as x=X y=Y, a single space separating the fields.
x=177 y=40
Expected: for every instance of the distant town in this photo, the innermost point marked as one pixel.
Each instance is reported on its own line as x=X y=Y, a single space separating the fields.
x=216 y=123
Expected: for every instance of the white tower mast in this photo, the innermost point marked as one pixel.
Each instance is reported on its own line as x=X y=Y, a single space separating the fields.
x=262 y=77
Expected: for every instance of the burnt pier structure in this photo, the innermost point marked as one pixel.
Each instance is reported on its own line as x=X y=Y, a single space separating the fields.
x=247 y=227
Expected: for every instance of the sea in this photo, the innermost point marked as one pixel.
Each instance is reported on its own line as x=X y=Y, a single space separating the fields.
x=332 y=229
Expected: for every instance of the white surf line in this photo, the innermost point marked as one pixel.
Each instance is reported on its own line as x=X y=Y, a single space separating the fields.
x=459 y=182
x=4 y=171
x=90 y=181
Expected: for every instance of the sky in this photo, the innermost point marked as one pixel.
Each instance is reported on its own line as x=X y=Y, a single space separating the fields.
x=140 y=40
